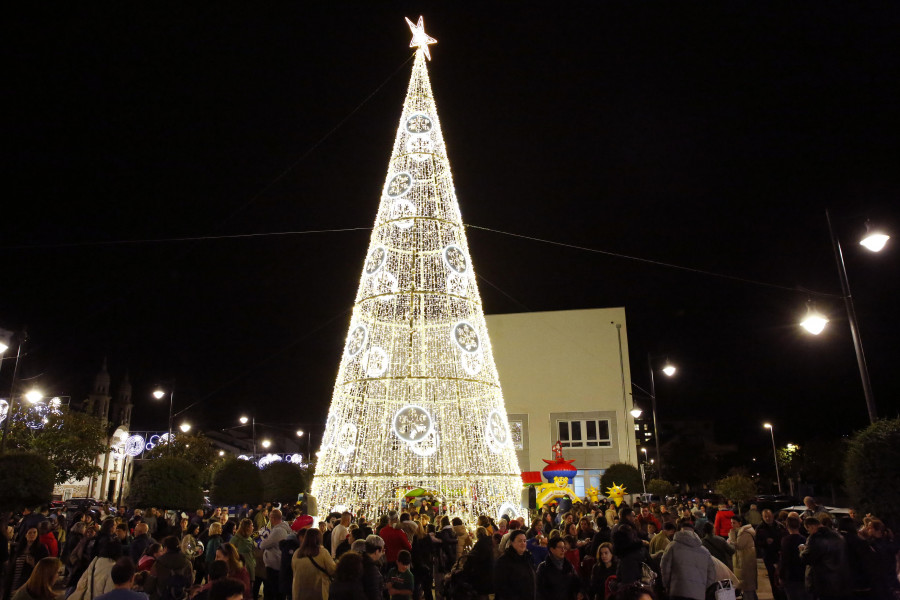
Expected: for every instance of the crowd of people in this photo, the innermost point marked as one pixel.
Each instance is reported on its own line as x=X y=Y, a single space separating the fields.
x=596 y=551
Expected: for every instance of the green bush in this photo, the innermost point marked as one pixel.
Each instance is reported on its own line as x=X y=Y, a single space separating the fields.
x=621 y=474
x=235 y=482
x=661 y=488
x=169 y=482
x=872 y=471
x=26 y=480
x=282 y=481
x=737 y=488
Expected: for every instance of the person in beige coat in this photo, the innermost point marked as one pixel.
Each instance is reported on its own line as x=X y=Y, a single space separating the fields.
x=463 y=539
x=313 y=568
x=743 y=538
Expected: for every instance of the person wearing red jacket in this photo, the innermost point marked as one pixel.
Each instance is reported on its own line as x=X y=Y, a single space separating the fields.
x=47 y=538
x=395 y=540
x=723 y=521
x=646 y=518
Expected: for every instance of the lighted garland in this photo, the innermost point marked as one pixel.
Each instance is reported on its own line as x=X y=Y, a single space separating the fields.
x=417 y=400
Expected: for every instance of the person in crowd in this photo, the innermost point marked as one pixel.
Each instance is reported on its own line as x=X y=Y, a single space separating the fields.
x=769 y=533
x=400 y=580
x=742 y=537
x=340 y=534
x=97 y=578
x=228 y=530
x=445 y=553
x=172 y=572
x=825 y=555
x=884 y=579
x=122 y=575
x=394 y=539
x=514 y=575
x=362 y=530
x=687 y=568
x=228 y=554
x=213 y=541
x=479 y=567
x=372 y=580
x=26 y=554
x=243 y=543
x=217 y=570
x=629 y=549
x=602 y=535
x=635 y=591
x=278 y=531
x=813 y=509
x=347 y=584
x=40 y=583
x=722 y=523
x=140 y=543
x=604 y=568
x=791 y=572
x=645 y=519
x=753 y=516
x=313 y=568
x=46 y=537
x=463 y=539
x=422 y=558
x=153 y=551
x=860 y=555
x=717 y=547
x=660 y=541
x=556 y=578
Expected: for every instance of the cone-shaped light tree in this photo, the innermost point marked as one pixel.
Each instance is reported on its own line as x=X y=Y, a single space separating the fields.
x=417 y=402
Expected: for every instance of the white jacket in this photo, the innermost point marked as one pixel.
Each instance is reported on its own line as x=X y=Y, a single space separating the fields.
x=271 y=549
x=97 y=579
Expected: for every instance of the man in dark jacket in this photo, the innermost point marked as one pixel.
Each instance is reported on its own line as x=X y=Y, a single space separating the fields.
x=141 y=541
x=687 y=567
x=514 y=571
x=556 y=577
x=769 y=534
x=825 y=557
x=372 y=580
x=717 y=546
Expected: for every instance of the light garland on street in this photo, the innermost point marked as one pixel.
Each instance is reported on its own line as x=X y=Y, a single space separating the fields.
x=417 y=402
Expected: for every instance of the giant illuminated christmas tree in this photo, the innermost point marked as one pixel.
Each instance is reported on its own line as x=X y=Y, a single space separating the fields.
x=417 y=402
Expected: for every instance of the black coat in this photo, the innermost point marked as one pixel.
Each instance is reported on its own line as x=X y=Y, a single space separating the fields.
x=372 y=580
x=826 y=557
x=557 y=584
x=766 y=532
x=479 y=567
x=514 y=576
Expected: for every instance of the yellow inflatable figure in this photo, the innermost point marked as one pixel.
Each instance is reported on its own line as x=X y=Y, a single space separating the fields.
x=593 y=494
x=616 y=493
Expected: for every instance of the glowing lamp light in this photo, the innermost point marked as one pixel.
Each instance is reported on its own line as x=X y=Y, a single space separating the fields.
x=158 y=394
x=266 y=443
x=767 y=425
x=185 y=427
x=636 y=413
x=669 y=369
x=3 y=347
x=299 y=433
x=34 y=396
x=243 y=420
x=874 y=239
x=814 y=323
x=221 y=453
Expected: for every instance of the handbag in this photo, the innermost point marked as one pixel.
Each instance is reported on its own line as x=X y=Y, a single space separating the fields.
x=724 y=590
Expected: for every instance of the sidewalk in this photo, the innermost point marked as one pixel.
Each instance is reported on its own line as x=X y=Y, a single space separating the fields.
x=763 y=587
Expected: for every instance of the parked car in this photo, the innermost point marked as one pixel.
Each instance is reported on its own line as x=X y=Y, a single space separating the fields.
x=834 y=511
x=774 y=502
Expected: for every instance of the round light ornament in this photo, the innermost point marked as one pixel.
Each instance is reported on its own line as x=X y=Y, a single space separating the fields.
x=412 y=424
x=472 y=363
x=376 y=362
x=496 y=432
x=356 y=340
x=384 y=285
x=399 y=185
x=134 y=445
x=402 y=211
x=419 y=123
x=376 y=259
x=427 y=447
x=455 y=259
x=457 y=285
x=466 y=337
x=346 y=439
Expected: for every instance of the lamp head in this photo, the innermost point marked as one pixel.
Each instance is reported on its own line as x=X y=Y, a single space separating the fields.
x=767 y=425
x=636 y=412
x=34 y=396
x=814 y=322
x=243 y=420
x=299 y=433
x=158 y=394
x=266 y=443
x=669 y=369
x=875 y=239
x=185 y=427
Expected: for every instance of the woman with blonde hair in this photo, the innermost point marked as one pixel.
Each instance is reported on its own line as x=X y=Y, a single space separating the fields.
x=313 y=568
x=40 y=583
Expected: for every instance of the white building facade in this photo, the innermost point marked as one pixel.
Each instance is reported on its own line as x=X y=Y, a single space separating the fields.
x=566 y=377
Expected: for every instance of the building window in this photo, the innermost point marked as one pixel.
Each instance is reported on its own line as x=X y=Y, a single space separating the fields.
x=584 y=433
x=515 y=428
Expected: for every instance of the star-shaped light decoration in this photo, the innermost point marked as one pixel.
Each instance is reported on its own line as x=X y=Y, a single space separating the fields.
x=420 y=39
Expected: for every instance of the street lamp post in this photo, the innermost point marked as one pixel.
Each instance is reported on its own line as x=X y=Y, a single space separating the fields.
x=669 y=370
x=774 y=454
x=851 y=314
x=252 y=420
x=159 y=393
x=12 y=393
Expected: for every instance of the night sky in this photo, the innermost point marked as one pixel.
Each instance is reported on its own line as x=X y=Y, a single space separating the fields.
x=705 y=135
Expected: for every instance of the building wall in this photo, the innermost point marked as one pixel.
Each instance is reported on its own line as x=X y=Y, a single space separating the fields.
x=566 y=366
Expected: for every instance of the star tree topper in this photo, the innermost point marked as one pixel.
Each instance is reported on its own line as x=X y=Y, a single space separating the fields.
x=420 y=39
